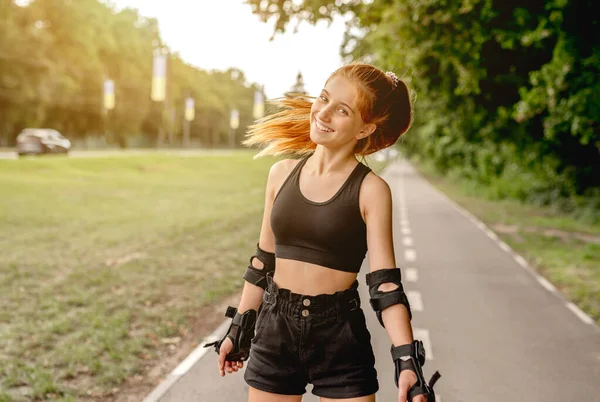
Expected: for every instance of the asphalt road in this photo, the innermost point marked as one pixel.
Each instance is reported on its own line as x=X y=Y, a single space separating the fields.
x=126 y=152
x=494 y=330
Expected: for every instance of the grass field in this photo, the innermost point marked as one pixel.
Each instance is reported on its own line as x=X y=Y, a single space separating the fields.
x=105 y=259
x=561 y=248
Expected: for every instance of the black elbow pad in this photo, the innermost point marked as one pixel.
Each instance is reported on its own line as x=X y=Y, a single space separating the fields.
x=257 y=276
x=381 y=300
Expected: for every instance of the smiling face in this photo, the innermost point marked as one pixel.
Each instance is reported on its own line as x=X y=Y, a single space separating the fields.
x=335 y=120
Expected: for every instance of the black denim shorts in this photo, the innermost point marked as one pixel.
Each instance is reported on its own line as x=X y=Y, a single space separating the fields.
x=322 y=340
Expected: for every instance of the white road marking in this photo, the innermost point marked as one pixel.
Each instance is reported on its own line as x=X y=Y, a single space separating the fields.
x=405 y=230
x=518 y=258
x=193 y=357
x=582 y=316
x=411 y=274
x=491 y=235
x=415 y=300
x=158 y=392
x=404 y=222
x=546 y=284
x=504 y=246
x=407 y=241
x=423 y=335
x=410 y=255
x=521 y=261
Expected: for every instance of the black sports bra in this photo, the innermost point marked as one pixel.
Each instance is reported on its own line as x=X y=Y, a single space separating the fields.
x=331 y=233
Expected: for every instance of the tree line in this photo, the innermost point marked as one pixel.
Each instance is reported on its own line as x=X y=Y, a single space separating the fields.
x=56 y=54
x=507 y=92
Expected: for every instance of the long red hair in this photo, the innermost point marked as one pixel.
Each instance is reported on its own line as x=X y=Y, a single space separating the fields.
x=383 y=100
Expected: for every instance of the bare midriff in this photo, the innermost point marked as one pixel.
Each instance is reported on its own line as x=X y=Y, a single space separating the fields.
x=309 y=279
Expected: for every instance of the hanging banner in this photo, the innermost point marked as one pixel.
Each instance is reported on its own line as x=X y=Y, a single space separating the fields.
x=109 y=94
x=259 y=105
x=234 y=121
x=190 y=111
x=159 y=78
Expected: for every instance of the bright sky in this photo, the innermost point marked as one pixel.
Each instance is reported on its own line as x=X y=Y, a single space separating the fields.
x=218 y=34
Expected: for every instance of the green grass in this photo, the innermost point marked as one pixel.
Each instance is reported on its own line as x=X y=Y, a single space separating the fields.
x=560 y=247
x=104 y=257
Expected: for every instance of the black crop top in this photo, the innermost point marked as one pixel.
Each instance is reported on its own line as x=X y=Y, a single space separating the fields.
x=331 y=233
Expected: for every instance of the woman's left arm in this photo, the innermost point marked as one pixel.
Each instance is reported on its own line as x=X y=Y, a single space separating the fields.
x=376 y=203
x=380 y=242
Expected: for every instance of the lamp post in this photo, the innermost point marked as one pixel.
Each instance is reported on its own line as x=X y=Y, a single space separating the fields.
x=234 y=123
x=159 y=86
x=259 y=105
x=109 y=105
x=188 y=118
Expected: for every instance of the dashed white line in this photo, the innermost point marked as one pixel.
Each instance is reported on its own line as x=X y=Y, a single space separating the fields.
x=405 y=230
x=504 y=246
x=411 y=274
x=546 y=284
x=518 y=258
x=404 y=222
x=491 y=235
x=415 y=300
x=410 y=255
x=407 y=241
x=582 y=316
x=521 y=261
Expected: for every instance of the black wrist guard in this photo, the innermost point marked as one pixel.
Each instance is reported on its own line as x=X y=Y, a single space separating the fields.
x=241 y=332
x=412 y=357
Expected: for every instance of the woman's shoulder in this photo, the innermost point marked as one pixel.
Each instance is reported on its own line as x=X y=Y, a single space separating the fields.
x=374 y=188
x=282 y=168
x=279 y=171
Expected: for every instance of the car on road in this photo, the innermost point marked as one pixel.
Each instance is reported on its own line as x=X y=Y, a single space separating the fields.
x=42 y=141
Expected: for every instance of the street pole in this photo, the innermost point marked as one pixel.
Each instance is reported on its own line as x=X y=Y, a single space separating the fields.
x=234 y=123
x=188 y=117
x=186 y=133
x=159 y=87
x=109 y=106
x=259 y=105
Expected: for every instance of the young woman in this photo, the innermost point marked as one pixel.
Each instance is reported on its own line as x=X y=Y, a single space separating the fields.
x=322 y=212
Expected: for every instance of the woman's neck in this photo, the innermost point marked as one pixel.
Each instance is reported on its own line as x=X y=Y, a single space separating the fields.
x=324 y=161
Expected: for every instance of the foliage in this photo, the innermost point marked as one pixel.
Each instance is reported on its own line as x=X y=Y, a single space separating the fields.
x=506 y=91
x=56 y=54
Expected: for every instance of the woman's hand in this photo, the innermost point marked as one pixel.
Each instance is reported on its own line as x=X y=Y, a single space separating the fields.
x=228 y=366
x=405 y=382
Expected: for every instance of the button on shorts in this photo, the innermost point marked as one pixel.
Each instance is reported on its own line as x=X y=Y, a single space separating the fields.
x=322 y=340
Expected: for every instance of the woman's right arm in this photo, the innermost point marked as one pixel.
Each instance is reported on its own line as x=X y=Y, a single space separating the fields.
x=252 y=294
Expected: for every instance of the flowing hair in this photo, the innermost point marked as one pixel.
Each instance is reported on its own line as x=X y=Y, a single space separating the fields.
x=383 y=100
x=285 y=132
